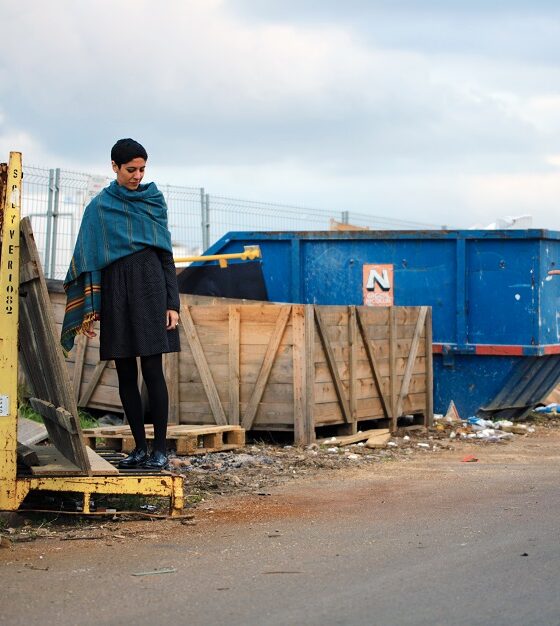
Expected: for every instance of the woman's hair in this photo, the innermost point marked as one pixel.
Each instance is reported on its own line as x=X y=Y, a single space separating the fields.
x=127 y=149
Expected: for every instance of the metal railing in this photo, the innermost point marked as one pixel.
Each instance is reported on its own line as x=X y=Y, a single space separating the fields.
x=55 y=200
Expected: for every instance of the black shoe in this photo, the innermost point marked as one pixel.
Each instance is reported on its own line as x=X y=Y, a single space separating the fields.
x=136 y=458
x=156 y=461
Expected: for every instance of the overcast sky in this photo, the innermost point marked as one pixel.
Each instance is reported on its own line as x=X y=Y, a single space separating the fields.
x=440 y=111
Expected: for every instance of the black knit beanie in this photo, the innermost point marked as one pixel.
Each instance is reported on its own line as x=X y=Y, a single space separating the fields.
x=127 y=149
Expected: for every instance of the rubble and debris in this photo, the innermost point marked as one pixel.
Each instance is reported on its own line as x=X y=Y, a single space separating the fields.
x=549 y=408
x=260 y=466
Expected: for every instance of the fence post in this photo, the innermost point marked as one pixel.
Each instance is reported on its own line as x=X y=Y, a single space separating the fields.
x=202 y=218
x=50 y=200
x=205 y=219
x=55 y=205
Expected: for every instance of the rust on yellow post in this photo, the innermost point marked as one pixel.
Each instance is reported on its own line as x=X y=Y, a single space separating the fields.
x=9 y=310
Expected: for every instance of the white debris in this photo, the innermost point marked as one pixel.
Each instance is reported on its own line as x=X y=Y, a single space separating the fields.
x=423 y=445
x=332 y=450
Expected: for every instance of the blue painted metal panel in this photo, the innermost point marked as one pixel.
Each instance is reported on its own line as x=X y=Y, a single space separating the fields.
x=486 y=288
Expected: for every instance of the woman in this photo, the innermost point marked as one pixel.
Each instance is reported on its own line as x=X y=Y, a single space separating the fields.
x=122 y=273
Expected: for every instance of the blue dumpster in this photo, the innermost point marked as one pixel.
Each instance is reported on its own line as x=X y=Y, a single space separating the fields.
x=496 y=326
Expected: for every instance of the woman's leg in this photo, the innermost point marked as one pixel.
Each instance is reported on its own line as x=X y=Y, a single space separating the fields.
x=152 y=371
x=127 y=372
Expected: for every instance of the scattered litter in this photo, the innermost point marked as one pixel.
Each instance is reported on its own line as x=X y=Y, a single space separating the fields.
x=452 y=414
x=392 y=444
x=332 y=450
x=406 y=438
x=470 y=458
x=148 y=507
x=163 y=570
x=35 y=567
x=549 y=408
x=423 y=445
x=353 y=457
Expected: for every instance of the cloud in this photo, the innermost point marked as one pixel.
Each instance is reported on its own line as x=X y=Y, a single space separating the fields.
x=362 y=104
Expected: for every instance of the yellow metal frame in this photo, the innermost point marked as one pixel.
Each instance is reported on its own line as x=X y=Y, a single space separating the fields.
x=250 y=253
x=14 y=488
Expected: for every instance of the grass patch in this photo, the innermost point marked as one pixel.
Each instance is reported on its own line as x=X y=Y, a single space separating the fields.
x=27 y=411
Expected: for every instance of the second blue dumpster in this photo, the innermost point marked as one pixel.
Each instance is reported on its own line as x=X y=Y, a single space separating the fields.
x=496 y=319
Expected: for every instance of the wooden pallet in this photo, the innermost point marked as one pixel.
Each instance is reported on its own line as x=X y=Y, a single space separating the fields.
x=186 y=440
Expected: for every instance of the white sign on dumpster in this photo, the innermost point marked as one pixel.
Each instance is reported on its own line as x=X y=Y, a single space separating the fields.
x=378 y=285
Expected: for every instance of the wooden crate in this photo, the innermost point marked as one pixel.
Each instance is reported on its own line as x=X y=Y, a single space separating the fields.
x=283 y=367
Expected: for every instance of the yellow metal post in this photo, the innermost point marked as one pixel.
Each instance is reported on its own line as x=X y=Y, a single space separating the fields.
x=9 y=311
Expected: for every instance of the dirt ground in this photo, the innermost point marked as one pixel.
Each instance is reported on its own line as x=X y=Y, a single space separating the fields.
x=243 y=484
x=411 y=535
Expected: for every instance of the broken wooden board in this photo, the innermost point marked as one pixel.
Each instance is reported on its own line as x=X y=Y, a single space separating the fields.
x=30 y=432
x=53 y=463
x=26 y=456
x=41 y=357
x=349 y=439
x=378 y=441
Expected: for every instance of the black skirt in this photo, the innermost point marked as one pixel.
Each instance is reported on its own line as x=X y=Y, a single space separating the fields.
x=136 y=292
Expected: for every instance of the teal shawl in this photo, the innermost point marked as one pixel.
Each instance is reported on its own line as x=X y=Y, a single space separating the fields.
x=116 y=223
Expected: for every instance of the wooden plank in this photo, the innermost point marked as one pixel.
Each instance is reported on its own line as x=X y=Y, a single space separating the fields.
x=28 y=271
x=333 y=367
x=372 y=362
x=352 y=364
x=299 y=373
x=42 y=357
x=30 y=432
x=26 y=455
x=280 y=327
x=92 y=383
x=309 y=418
x=56 y=415
x=80 y=355
x=99 y=466
x=392 y=366
x=53 y=463
x=410 y=363
x=346 y=440
x=202 y=365
x=429 y=411
x=234 y=321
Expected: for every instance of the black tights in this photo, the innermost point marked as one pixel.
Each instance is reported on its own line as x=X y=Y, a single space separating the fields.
x=152 y=372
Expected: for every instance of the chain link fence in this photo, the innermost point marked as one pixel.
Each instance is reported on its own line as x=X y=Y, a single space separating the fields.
x=55 y=199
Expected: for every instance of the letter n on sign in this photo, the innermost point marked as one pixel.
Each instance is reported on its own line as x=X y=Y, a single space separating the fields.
x=378 y=285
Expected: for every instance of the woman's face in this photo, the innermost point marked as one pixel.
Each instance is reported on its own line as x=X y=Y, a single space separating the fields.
x=130 y=174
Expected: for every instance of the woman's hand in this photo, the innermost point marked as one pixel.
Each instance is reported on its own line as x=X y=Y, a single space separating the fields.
x=172 y=320
x=88 y=330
